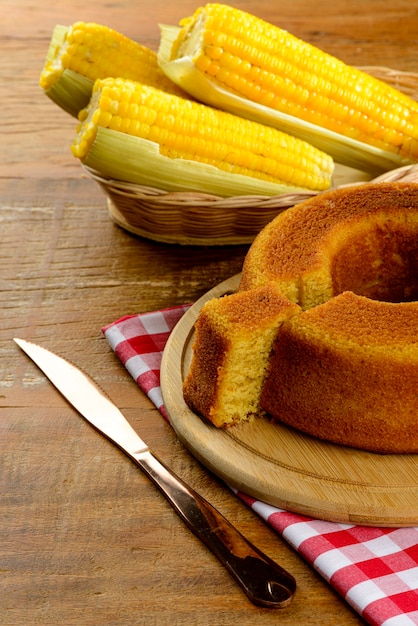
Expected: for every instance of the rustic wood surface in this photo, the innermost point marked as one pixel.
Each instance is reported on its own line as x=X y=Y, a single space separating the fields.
x=84 y=537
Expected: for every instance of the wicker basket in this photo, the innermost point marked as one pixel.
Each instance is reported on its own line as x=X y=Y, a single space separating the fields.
x=201 y=219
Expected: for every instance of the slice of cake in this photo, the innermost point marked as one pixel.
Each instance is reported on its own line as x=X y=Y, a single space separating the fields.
x=233 y=342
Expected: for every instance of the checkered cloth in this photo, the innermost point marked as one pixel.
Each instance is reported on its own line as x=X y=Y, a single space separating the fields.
x=374 y=569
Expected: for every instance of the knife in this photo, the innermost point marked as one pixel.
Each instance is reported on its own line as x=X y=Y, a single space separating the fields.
x=265 y=583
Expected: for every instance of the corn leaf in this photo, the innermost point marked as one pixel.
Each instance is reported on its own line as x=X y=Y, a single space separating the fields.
x=69 y=90
x=119 y=156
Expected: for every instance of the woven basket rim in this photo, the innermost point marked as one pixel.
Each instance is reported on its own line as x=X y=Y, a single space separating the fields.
x=406 y=173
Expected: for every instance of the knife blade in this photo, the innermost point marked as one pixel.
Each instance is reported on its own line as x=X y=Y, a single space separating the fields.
x=264 y=582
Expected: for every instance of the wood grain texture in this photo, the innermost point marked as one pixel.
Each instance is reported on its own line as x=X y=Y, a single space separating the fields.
x=84 y=537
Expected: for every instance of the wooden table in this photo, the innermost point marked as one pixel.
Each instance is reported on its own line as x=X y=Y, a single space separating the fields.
x=84 y=537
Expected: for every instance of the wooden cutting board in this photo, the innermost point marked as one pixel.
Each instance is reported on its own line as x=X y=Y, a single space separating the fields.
x=283 y=467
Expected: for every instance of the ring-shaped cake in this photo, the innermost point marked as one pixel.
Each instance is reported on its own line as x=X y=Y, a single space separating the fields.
x=342 y=364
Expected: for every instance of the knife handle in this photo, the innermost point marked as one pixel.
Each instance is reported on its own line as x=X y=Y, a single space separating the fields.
x=265 y=583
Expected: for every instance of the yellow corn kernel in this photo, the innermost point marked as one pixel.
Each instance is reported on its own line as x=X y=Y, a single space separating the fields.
x=85 y=51
x=187 y=130
x=268 y=67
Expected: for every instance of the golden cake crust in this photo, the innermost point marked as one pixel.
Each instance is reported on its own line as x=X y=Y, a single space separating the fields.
x=346 y=369
x=339 y=241
x=343 y=366
x=356 y=379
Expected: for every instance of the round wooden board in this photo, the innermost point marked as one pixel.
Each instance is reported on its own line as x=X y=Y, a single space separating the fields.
x=283 y=467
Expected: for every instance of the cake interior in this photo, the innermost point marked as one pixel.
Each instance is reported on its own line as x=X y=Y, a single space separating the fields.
x=379 y=261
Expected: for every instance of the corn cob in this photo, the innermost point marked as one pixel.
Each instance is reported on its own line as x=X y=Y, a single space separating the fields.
x=83 y=52
x=228 y=58
x=136 y=133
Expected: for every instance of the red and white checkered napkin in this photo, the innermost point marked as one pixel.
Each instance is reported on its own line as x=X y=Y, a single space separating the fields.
x=374 y=569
